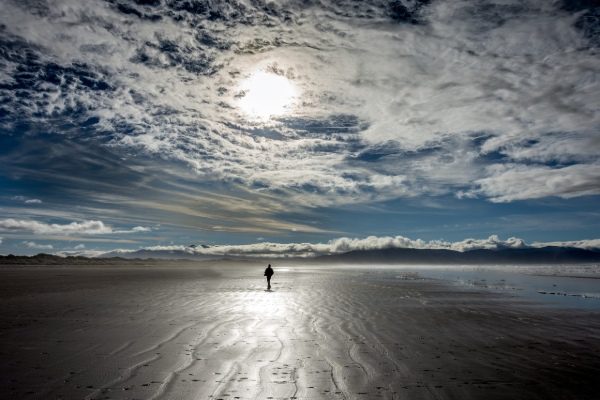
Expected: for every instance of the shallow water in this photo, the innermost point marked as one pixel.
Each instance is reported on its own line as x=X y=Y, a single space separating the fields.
x=558 y=286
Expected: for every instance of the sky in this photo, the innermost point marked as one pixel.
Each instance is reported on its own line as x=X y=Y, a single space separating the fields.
x=164 y=123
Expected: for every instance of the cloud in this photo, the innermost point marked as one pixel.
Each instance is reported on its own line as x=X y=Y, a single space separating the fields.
x=27 y=200
x=589 y=244
x=399 y=99
x=73 y=228
x=79 y=253
x=345 y=244
x=33 y=245
x=149 y=191
x=509 y=182
x=134 y=230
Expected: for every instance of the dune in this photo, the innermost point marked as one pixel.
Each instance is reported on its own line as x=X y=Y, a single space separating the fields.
x=211 y=331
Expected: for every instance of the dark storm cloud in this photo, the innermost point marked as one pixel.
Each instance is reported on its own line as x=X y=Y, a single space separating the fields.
x=398 y=99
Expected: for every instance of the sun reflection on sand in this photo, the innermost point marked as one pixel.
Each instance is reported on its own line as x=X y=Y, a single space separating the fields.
x=262 y=303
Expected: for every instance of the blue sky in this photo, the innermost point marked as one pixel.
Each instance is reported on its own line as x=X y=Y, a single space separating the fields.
x=130 y=124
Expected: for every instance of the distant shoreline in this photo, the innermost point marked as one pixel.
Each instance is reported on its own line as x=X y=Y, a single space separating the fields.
x=508 y=256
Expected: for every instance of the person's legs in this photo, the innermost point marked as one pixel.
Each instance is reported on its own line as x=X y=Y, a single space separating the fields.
x=268 y=282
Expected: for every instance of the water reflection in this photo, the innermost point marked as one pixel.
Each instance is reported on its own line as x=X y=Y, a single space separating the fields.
x=571 y=291
x=577 y=292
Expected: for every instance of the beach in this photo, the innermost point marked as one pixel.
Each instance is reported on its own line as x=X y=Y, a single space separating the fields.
x=211 y=331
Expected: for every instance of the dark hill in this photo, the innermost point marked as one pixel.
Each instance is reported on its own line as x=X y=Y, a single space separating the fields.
x=50 y=259
x=554 y=255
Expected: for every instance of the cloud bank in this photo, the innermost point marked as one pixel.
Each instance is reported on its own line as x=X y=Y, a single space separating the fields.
x=74 y=228
x=344 y=245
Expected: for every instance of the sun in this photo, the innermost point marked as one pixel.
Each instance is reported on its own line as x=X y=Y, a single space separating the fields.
x=267 y=95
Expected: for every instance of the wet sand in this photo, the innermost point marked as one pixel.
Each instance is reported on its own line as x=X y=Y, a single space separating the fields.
x=213 y=332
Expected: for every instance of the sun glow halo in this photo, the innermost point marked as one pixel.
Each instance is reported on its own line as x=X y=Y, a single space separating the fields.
x=267 y=95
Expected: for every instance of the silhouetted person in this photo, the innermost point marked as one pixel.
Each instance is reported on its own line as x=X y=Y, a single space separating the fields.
x=269 y=273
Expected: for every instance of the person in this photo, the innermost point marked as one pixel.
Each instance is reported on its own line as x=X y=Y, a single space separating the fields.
x=269 y=273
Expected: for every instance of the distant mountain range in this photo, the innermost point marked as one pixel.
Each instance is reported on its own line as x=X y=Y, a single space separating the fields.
x=529 y=255
x=161 y=255
x=51 y=259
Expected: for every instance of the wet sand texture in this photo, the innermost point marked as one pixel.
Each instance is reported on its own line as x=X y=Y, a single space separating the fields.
x=215 y=333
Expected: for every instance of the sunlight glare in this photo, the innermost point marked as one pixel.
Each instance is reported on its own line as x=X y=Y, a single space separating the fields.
x=267 y=95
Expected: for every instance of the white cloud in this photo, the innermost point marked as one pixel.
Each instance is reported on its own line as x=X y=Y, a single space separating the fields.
x=345 y=244
x=135 y=229
x=90 y=227
x=27 y=200
x=79 y=253
x=504 y=74
x=518 y=182
x=589 y=244
x=33 y=245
